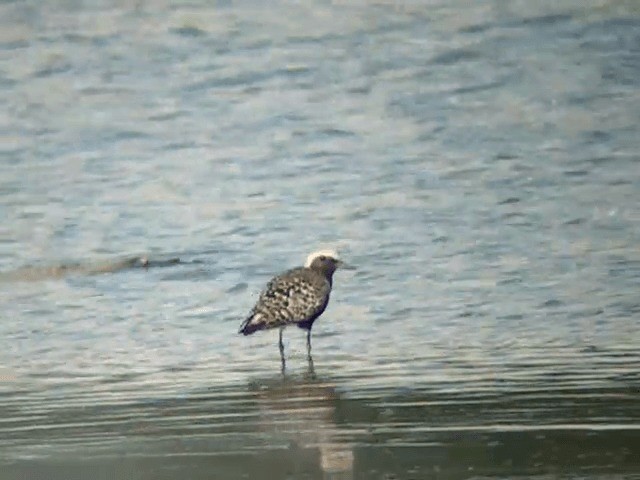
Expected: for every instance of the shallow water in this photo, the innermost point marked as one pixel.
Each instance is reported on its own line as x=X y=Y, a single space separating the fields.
x=478 y=164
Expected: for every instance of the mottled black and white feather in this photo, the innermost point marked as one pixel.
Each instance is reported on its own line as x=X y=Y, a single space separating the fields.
x=297 y=296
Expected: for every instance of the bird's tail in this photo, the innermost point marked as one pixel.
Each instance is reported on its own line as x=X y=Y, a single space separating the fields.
x=252 y=324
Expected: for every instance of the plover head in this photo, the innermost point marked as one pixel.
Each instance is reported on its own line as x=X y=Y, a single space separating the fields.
x=325 y=262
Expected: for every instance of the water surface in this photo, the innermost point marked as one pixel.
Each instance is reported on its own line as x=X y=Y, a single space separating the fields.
x=479 y=165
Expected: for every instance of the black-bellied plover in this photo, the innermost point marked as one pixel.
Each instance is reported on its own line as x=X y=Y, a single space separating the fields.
x=295 y=297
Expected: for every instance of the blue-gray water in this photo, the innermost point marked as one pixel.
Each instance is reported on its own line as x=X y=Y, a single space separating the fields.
x=478 y=162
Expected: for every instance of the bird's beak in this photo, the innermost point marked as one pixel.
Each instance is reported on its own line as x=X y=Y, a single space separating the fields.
x=345 y=266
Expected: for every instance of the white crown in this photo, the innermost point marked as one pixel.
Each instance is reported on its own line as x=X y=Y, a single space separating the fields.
x=326 y=253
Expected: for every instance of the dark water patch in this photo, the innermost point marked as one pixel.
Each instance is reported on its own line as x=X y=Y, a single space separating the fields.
x=515 y=216
x=237 y=288
x=477 y=87
x=336 y=132
x=94 y=40
x=620 y=182
x=506 y=156
x=87 y=268
x=513 y=280
x=575 y=173
x=363 y=89
x=514 y=317
x=178 y=146
x=455 y=56
x=509 y=201
x=464 y=173
x=245 y=80
x=441 y=239
x=598 y=136
x=546 y=20
x=476 y=28
x=325 y=154
x=113 y=90
x=189 y=31
x=121 y=377
x=539 y=21
x=163 y=117
x=576 y=221
x=53 y=69
x=125 y=135
x=600 y=160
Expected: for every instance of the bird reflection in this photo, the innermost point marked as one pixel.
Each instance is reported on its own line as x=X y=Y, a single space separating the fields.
x=311 y=371
x=300 y=411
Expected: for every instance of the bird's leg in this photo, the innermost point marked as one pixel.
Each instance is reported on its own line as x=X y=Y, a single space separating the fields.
x=281 y=347
x=280 y=344
x=311 y=372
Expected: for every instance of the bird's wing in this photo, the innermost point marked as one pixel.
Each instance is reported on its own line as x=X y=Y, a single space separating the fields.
x=295 y=296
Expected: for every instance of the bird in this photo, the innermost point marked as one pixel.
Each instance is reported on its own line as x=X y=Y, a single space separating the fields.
x=297 y=296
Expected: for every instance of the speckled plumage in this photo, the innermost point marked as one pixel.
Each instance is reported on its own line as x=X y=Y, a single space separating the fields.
x=296 y=297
